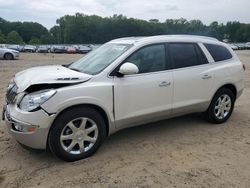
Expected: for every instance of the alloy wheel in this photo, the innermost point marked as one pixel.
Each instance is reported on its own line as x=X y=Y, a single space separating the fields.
x=79 y=135
x=223 y=106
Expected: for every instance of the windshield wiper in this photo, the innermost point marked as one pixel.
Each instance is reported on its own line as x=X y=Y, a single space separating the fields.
x=67 y=65
x=74 y=69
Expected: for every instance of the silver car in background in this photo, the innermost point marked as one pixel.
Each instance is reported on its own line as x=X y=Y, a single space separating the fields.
x=8 y=54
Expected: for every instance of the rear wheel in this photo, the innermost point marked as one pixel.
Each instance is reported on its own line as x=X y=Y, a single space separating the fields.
x=77 y=133
x=221 y=106
x=8 y=56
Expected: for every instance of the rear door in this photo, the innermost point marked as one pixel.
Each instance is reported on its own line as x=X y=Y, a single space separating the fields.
x=193 y=78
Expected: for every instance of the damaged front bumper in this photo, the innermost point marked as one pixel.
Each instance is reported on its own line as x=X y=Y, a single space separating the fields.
x=28 y=128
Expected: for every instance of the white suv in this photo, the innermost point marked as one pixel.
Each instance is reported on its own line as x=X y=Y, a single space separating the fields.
x=126 y=82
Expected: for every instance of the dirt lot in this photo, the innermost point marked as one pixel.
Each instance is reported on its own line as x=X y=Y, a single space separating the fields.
x=180 y=152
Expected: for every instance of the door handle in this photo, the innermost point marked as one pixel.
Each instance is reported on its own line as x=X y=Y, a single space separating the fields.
x=164 y=84
x=206 y=76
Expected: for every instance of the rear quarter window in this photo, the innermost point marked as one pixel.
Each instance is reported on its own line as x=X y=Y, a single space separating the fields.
x=218 y=52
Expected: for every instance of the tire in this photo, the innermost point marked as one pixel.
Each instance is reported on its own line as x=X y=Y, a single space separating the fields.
x=214 y=112
x=8 y=56
x=73 y=127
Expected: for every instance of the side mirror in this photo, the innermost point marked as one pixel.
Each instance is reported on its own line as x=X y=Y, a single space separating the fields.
x=128 y=69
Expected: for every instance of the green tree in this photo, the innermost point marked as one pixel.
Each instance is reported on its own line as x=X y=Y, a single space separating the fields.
x=14 y=38
x=231 y=29
x=34 y=40
x=2 y=38
x=81 y=28
x=47 y=39
x=243 y=33
x=26 y=30
x=216 y=30
x=55 y=33
x=154 y=20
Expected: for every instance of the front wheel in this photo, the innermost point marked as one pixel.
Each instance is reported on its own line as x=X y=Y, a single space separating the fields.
x=77 y=134
x=221 y=106
x=8 y=56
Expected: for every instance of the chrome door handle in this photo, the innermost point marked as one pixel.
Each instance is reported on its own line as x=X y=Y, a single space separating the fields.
x=205 y=77
x=164 y=84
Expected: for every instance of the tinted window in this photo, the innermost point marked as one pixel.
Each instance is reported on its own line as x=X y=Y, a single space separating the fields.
x=149 y=59
x=219 y=53
x=186 y=55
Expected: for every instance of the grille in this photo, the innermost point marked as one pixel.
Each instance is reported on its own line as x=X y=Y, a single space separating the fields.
x=11 y=93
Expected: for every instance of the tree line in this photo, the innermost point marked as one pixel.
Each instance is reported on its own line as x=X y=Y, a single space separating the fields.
x=81 y=28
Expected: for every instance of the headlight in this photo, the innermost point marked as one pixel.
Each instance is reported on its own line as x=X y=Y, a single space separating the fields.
x=11 y=84
x=34 y=100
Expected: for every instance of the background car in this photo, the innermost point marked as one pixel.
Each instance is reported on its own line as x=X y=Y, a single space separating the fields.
x=247 y=45
x=42 y=49
x=83 y=49
x=94 y=46
x=3 y=46
x=8 y=54
x=21 y=47
x=241 y=46
x=58 y=49
x=234 y=47
x=29 y=48
x=14 y=47
x=71 y=50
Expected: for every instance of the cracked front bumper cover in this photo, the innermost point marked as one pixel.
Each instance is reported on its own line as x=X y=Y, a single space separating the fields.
x=31 y=135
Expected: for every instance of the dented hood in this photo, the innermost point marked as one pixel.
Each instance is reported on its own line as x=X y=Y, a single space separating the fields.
x=54 y=74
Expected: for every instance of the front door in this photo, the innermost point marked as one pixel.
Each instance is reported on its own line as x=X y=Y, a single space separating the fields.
x=146 y=96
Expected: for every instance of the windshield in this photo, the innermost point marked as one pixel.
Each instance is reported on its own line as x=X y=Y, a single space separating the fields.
x=97 y=60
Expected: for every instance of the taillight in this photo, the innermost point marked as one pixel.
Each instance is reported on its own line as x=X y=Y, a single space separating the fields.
x=244 y=66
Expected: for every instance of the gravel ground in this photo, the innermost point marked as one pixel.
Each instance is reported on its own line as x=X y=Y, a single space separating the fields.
x=180 y=152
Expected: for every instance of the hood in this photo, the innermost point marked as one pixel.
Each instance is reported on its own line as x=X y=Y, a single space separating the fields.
x=8 y=50
x=55 y=74
x=14 y=51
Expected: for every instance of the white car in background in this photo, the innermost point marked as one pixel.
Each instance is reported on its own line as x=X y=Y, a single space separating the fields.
x=247 y=45
x=14 y=47
x=233 y=46
x=8 y=54
x=29 y=48
x=125 y=82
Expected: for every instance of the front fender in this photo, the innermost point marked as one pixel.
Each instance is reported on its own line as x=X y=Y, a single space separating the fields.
x=100 y=95
x=76 y=101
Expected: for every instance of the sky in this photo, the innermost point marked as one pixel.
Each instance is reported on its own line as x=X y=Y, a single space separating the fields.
x=46 y=12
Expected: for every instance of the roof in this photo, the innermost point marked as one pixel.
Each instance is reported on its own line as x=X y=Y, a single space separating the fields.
x=164 y=38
